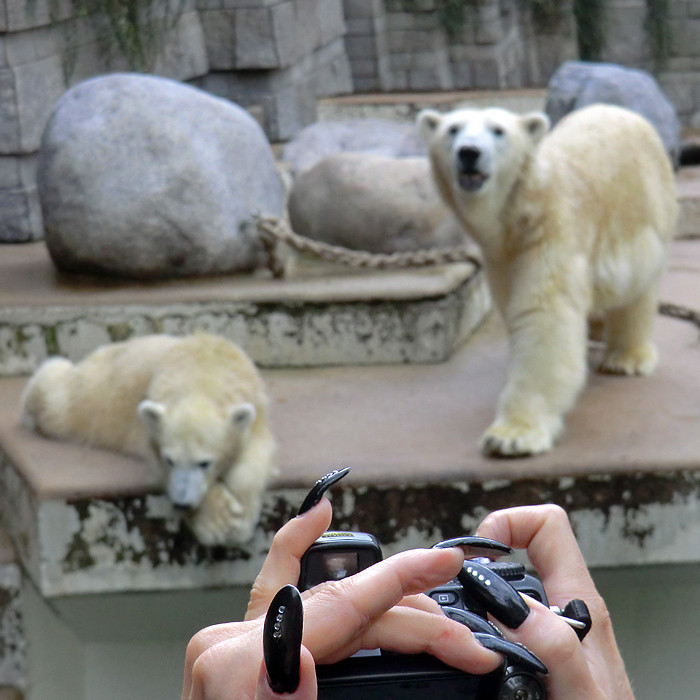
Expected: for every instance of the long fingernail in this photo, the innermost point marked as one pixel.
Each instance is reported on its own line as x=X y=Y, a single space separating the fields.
x=494 y=594
x=474 y=546
x=471 y=620
x=577 y=610
x=282 y=634
x=320 y=487
x=515 y=653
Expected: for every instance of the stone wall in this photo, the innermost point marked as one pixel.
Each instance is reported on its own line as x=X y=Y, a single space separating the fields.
x=680 y=75
x=502 y=45
x=280 y=55
x=42 y=53
x=396 y=45
x=276 y=57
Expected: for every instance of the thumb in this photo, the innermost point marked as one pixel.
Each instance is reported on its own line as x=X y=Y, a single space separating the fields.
x=306 y=689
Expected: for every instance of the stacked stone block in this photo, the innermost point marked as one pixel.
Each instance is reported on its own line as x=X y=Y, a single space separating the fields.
x=366 y=43
x=43 y=51
x=280 y=54
x=488 y=52
x=680 y=76
x=398 y=45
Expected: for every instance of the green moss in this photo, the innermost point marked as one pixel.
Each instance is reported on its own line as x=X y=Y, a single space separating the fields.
x=657 y=27
x=51 y=340
x=119 y=331
x=590 y=24
x=450 y=13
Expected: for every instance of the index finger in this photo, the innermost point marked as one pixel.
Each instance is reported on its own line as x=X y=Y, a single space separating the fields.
x=354 y=603
x=282 y=564
x=545 y=532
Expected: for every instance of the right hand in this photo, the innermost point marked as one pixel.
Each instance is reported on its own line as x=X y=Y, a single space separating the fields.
x=588 y=670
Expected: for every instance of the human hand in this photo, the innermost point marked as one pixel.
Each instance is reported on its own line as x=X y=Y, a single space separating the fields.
x=382 y=606
x=589 y=670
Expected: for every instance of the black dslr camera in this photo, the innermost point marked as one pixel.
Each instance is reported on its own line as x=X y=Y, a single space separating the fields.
x=381 y=675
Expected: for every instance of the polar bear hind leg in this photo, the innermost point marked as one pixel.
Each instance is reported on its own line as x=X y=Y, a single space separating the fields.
x=45 y=401
x=628 y=331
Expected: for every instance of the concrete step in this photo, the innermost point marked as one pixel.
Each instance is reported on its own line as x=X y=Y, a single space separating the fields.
x=12 y=641
x=627 y=468
x=320 y=316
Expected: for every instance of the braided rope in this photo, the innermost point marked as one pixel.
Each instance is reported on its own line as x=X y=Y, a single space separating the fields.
x=682 y=313
x=273 y=230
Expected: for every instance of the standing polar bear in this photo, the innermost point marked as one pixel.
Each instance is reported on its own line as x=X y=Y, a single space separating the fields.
x=572 y=224
x=196 y=404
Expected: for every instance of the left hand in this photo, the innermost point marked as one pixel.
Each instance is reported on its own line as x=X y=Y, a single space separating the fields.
x=382 y=606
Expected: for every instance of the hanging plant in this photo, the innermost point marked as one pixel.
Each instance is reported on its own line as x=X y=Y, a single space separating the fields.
x=658 y=30
x=590 y=25
x=546 y=14
x=133 y=28
x=450 y=13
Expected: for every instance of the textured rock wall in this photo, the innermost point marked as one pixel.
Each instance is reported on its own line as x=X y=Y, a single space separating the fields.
x=276 y=55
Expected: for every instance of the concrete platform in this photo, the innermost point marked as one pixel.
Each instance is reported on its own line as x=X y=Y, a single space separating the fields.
x=627 y=469
x=321 y=316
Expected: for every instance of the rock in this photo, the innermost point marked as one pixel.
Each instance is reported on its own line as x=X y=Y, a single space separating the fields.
x=577 y=84
x=373 y=203
x=145 y=177
x=372 y=136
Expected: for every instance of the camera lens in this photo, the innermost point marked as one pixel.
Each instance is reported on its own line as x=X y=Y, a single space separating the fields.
x=522 y=686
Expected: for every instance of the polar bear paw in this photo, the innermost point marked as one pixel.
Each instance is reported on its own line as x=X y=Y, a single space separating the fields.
x=638 y=360
x=511 y=439
x=221 y=519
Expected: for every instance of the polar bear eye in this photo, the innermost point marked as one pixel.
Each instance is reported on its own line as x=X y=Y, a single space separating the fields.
x=453 y=130
x=169 y=461
x=498 y=131
x=204 y=464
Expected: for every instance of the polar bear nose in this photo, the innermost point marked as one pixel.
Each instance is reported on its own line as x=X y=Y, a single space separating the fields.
x=467 y=157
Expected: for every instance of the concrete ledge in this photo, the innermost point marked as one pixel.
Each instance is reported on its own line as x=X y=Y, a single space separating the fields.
x=627 y=469
x=12 y=641
x=398 y=316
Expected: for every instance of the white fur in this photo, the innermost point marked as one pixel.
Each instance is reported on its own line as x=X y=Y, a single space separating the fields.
x=196 y=405
x=572 y=224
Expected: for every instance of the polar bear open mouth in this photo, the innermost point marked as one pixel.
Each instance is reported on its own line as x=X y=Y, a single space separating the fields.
x=472 y=181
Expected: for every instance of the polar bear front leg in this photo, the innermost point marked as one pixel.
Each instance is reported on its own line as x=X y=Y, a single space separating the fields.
x=547 y=370
x=247 y=481
x=628 y=334
x=213 y=519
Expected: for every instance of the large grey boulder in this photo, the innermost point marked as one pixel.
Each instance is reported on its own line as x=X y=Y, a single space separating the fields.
x=145 y=177
x=577 y=84
x=372 y=203
x=381 y=137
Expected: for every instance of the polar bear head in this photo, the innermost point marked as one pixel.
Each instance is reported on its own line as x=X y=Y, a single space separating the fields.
x=196 y=443
x=477 y=151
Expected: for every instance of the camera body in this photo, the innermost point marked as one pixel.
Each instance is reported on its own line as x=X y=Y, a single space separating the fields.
x=381 y=675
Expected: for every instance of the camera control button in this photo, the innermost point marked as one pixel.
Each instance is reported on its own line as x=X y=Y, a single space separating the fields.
x=444 y=597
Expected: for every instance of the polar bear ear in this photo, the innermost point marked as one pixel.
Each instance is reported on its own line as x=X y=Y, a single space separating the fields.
x=428 y=123
x=536 y=124
x=151 y=415
x=243 y=415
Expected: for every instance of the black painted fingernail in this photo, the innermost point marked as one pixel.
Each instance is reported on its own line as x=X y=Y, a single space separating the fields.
x=320 y=487
x=474 y=546
x=577 y=610
x=495 y=594
x=284 y=624
x=471 y=620
x=514 y=653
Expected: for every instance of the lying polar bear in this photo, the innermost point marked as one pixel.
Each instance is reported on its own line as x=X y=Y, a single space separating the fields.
x=572 y=224
x=196 y=405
